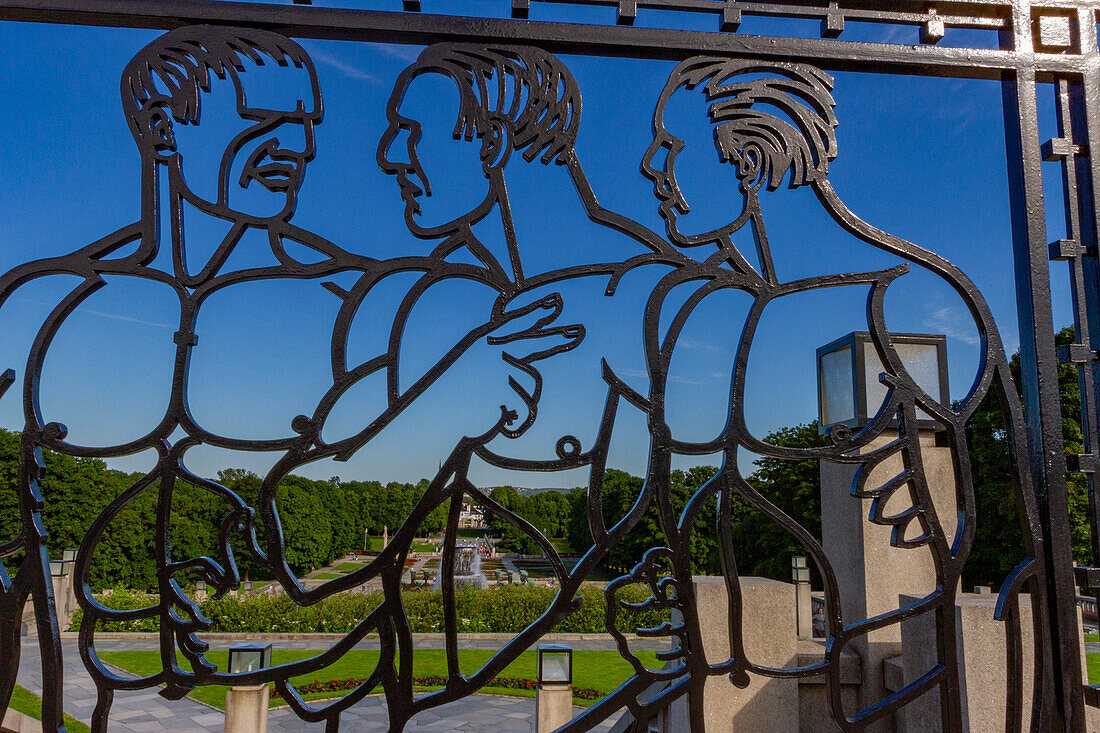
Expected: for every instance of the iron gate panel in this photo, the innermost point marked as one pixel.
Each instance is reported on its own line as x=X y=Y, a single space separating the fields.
x=520 y=99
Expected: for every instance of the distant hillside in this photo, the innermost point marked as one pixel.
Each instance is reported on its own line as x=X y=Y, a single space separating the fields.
x=531 y=492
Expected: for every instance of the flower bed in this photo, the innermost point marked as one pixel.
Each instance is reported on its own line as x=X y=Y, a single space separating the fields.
x=508 y=683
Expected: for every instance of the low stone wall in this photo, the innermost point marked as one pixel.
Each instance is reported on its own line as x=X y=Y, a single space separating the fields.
x=770 y=704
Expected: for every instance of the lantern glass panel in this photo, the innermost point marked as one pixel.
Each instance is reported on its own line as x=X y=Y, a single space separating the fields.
x=69 y=555
x=838 y=400
x=249 y=658
x=246 y=661
x=554 y=665
x=58 y=568
x=921 y=361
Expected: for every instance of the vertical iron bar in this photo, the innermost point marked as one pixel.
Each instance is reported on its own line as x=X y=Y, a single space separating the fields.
x=1088 y=107
x=1080 y=240
x=1039 y=366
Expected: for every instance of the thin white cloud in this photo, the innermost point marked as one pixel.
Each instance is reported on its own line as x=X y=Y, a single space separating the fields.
x=351 y=72
x=639 y=374
x=128 y=319
x=104 y=314
x=405 y=53
x=953 y=322
x=694 y=345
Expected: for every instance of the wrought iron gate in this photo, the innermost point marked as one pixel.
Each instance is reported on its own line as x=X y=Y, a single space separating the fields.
x=770 y=101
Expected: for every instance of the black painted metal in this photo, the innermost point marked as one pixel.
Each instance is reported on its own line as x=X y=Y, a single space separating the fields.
x=536 y=114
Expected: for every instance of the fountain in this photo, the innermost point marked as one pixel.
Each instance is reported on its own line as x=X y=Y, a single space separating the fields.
x=467 y=568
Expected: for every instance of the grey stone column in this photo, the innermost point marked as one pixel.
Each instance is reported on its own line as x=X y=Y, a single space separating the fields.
x=872 y=574
x=553 y=706
x=246 y=709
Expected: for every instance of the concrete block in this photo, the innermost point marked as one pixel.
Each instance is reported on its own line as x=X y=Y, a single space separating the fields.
x=814 y=713
x=246 y=709
x=771 y=639
x=553 y=707
x=983 y=675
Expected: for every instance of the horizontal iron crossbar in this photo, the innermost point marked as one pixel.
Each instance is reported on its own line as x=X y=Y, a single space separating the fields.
x=301 y=21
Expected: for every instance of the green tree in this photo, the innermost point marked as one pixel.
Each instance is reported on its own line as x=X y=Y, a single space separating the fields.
x=999 y=528
x=762 y=546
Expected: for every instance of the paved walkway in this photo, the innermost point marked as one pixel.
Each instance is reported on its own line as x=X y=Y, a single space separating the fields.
x=591 y=642
x=147 y=712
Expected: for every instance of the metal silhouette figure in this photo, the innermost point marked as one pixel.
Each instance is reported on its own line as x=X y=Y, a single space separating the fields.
x=774 y=122
x=533 y=112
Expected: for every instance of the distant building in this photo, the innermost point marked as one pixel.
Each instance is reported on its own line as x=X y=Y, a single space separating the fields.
x=471 y=516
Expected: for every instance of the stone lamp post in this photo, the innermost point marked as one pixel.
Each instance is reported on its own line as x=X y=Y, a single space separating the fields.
x=554 y=697
x=871 y=573
x=246 y=707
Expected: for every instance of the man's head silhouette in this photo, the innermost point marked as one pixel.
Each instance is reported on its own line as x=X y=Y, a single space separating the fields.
x=768 y=120
x=509 y=99
x=230 y=112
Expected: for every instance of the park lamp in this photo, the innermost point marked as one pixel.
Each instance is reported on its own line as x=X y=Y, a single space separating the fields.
x=246 y=586
x=200 y=586
x=555 y=664
x=800 y=571
x=849 y=390
x=245 y=658
x=59 y=569
x=69 y=555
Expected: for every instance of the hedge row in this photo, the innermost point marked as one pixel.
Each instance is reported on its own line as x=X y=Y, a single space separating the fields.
x=505 y=609
x=510 y=683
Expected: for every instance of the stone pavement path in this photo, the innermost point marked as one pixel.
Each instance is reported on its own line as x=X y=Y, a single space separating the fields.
x=601 y=642
x=147 y=712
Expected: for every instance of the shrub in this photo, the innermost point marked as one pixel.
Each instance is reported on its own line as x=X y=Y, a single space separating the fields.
x=125 y=599
x=507 y=609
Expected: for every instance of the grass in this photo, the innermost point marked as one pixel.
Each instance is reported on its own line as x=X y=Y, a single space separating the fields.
x=600 y=670
x=28 y=703
x=562 y=545
x=536 y=568
x=374 y=544
x=328 y=576
x=1092 y=637
x=347 y=567
x=1093 y=661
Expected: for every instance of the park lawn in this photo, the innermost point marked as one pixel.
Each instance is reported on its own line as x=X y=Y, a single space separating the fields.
x=347 y=567
x=600 y=670
x=327 y=576
x=28 y=703
x=1093 y=661
x=1092 y=637
x=423 y=547
x=562 y=545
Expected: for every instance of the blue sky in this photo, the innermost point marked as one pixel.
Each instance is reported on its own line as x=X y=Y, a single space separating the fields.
x=920 y=158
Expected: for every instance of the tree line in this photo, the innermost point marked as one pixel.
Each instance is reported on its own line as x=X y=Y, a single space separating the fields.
x=323 y=520
x=763 y=548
